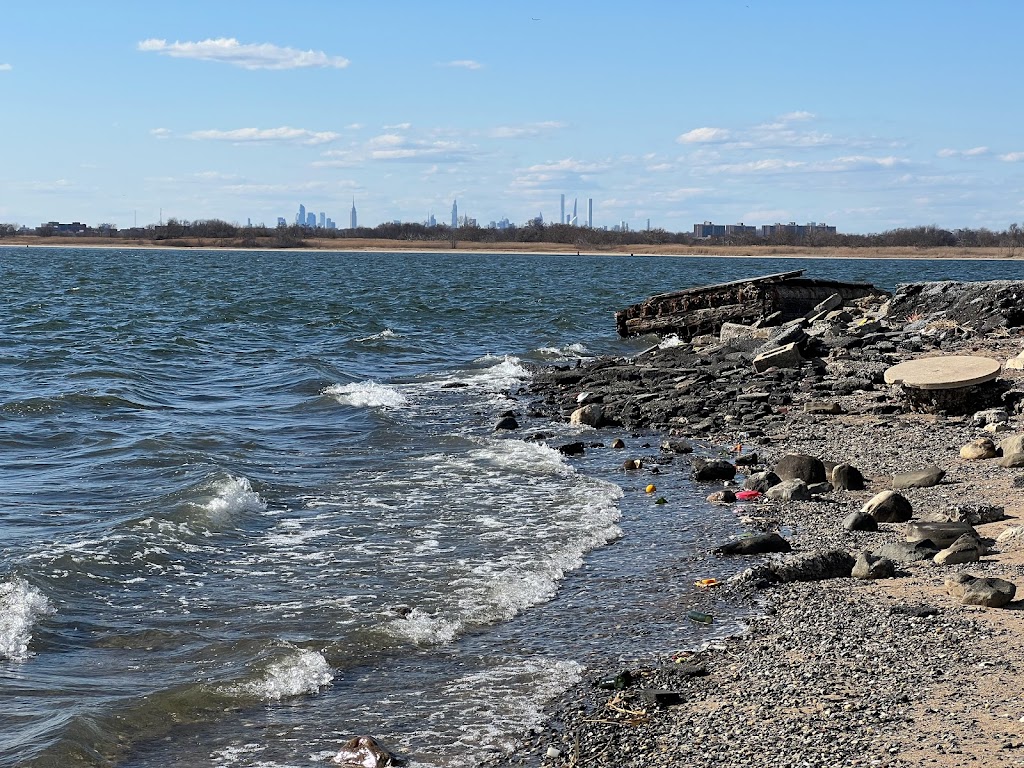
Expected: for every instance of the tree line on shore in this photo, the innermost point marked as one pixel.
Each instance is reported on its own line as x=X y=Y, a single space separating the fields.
x=185 y=233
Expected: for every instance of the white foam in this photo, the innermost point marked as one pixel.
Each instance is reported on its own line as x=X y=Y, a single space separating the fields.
x=506 y=374
x=672 y=340
x=233 y=495
x=387 y=333
x=304 y=672
x=421 y=628
x=569 y=350
x=367 y=394
x=522 y=457
x=21 y=606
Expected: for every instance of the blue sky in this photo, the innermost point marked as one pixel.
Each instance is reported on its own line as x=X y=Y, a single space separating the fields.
x=867 y=115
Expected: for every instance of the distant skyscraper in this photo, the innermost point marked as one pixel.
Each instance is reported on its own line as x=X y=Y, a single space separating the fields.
x=300 y=219
x=323 y=220
x=281 y=221
x=561 y=216
x=311 y=220
x=455 y=214
x=590 y=212
x=352 y=215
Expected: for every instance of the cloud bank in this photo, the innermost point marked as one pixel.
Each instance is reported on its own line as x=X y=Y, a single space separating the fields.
x=228 y=50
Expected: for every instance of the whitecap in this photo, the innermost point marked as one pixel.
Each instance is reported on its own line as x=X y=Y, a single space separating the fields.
x=233 y=495
x=570 y=350
x=508 y=373
x=422 y=628
x=21 y=606
x=672 y=340
x=367 y=394
x=387 y=333
x=304 y=672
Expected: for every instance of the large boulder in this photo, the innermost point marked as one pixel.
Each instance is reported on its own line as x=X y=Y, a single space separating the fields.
x=940 y=534
x=813 y=566
x=888 y=507
x=847 y=478
x=971 y=590
x=908 y=552
x=966 y=549
x=860 y=521
x=761 y=481
x=363 y=752
x=1011 y=444
x=869 y=566
x=589 y=416
x=711 y=470
x=790 y=490
x=976 y=450
x=800 y=466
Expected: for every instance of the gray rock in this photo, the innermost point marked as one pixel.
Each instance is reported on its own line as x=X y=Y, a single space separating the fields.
x=823 y=408
x=869 y=566
x=888 y=507
x=922 y=478
x=991 y=416
x=1011 y=444
x=802 y=467
x=757 y=544
x=847 y=478
x=940 y=534
x=787 y=356
x=908 y=552
x=972 y=514
x=1011 y=461
x=722 y=497
x=712 y=470
x=971 y=590
x=820 y=489
x=363 y=752
x=761 y=481
x=789 y=490
x=814 y=566
x=860 y=521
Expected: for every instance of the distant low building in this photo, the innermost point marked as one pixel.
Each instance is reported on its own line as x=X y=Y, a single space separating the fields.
x=74 y=228
x=797 y=231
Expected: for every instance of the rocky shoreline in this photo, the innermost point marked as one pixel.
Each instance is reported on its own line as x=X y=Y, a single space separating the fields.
x=889 y=669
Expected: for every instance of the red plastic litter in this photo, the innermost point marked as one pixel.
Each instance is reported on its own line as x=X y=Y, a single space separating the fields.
x=748 y=495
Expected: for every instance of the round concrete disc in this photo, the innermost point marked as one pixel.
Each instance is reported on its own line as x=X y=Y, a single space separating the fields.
x=950 y=372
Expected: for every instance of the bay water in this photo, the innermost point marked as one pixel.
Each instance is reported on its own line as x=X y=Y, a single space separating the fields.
x=253 y=503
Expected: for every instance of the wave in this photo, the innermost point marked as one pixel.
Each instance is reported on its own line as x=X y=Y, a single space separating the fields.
x=508 y=373
x=367 y=394
x=21 y=607
x=301 y=673
x=387 y=333
x=232 y=496
x=570 y=350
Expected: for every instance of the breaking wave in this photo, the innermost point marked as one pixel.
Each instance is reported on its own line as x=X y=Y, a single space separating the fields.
x=21 y=606
x=367 y=394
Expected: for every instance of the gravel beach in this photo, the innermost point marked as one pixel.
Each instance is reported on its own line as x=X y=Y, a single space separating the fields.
x=836 y=671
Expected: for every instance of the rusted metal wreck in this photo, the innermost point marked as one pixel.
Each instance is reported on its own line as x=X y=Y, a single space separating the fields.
x=696 y=311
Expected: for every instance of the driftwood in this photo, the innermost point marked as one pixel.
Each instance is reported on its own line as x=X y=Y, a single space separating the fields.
x=696 y=311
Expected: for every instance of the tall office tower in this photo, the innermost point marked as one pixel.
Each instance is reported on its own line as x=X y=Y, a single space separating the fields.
x=590 y=213
x=574 y=211
x=455 y=214
x=311 y=220
x=323 y=220
x=352 y=215
x=648 y=225
x=281 y=222
x=561 y=218
x=301 y=218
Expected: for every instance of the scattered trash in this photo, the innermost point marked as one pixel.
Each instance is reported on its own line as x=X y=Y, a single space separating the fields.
x=705 y=583
x=650 y=488
x=747 y=495
x=661 y=500
x=699 y=617
x=553 y=752
x=622 y=680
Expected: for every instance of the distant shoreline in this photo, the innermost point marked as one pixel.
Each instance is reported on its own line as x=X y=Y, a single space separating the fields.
x=425 y=246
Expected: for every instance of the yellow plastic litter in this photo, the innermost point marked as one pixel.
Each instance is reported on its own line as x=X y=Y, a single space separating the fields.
x=705 y=583
x=650 y=488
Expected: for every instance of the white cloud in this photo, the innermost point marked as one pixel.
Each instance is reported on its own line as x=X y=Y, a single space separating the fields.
x=528 y=131
x=160 y=133
x=792 y=117
x=568 y=165
x=228 y=50
x=5 y=67
x=462 y=64
x=864 y=161
x=770 y=165
x=704 y=136
x=256 y=135
x=398 y=127
x=1012 y=157
x=975 y=152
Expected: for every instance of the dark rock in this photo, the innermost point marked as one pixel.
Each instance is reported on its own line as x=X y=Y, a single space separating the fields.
x=820 y=489
x=747 y=460
x=815 y=566
x=722 y=497
x=757 y=544
x=847 y=478
x=661 y=697
x=363 y=752
x=889 y=507
x=676 y=445
x=761 y=481
x=506 y=422
x=824 y=408
x=922 y=478
x=618 y=444
x=711 y=470
x=860 y=521
x=908 y=552
x=915 y=611
x=802 y=467
x=572 y=449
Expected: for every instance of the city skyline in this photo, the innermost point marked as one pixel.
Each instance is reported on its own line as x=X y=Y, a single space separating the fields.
x=674 y=113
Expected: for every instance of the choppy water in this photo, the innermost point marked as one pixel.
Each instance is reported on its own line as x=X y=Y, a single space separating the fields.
x=253 y=503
